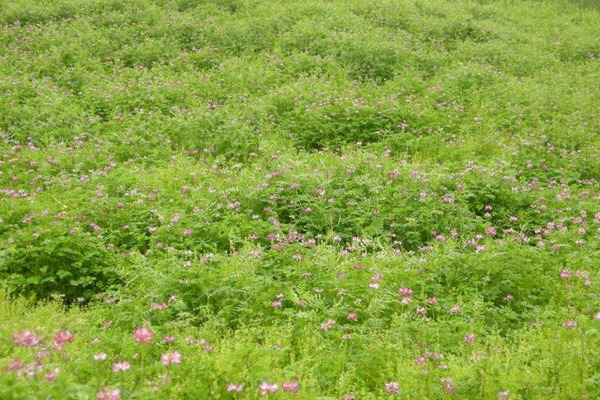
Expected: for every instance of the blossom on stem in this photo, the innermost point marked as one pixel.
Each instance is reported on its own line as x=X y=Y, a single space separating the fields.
x=143 y=335
x=290 y=387
x=171 y=358
x=266 y=387
x=392 y=387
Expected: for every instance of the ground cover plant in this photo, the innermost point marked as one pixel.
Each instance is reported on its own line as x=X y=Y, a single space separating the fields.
x=344 y=199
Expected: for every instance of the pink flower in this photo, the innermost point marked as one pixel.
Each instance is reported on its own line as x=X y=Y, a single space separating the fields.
x=171 y=358
x=470 y=338
x=447 y=384
x=276 y=304
x=63 y=337
x=169 y=339
x=266 y=387
x=327 y=325
x=352 y=316
x=570 y=324
x=564 y=274
x=15 y=365
x=52 y=375
x=405 y=292
x=109 y=394
x=232 y=387
x=455 y=309
x=121 y=366
x=143 y=335
x=503 y=395
x=100 y=357
x=188 y=232
x=26 y=338
x=290 y=387
x=392 y=387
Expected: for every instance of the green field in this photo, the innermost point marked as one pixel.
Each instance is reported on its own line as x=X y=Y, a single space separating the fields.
x=318 y=199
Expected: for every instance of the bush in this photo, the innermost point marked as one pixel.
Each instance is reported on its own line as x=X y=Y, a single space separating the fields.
x=68 y=266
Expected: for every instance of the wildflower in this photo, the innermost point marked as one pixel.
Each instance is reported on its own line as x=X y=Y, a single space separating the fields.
x=327 y=325
x=100 y=357
x=42 y=354
x=420 y=360
x=121 y=366
x=406 y=294
x=143 y=335
x=290 y=387
x=63 y=337
x=392 y=387
x=169 y=339
x=188 y=232
x=470 y=338
x=503 y=395
x=447 y=384
x=15 y=365
x=266 y=387
x=52 y=375
x=232 y=387
x=109 y=394
x=570 y=324
x=455 y=309
x=276 y=304
x=26 y=338
x=420 y=310
x=171 y=358
x=352 y=316
x=564 y=274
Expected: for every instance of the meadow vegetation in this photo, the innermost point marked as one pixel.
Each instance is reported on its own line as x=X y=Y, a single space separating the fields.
x=342 y=199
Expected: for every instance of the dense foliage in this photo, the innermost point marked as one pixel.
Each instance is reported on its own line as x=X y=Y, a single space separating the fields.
x=338 y=199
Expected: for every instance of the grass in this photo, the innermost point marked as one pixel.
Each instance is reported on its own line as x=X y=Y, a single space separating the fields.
x=358 y=200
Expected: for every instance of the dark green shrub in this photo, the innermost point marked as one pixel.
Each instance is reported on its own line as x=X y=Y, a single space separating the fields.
x=70 y=266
